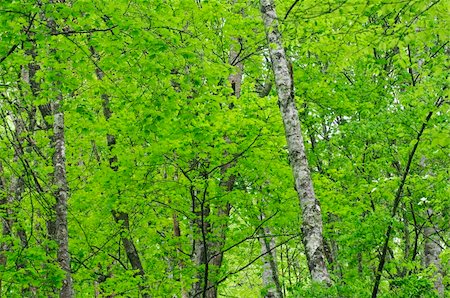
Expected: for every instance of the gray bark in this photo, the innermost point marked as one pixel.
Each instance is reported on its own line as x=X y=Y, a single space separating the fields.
x=120 y=217
x=432 y=250
x=16 y=186
x=432 y=246
x=128 y=244
x=311 y=213
x=177 y=234
x=61 y=196
x=12 y=193
x=58 y=228
x=235 y=79
x=200 y=256
x=208 y=252
x=4 y=246
x=270 y=278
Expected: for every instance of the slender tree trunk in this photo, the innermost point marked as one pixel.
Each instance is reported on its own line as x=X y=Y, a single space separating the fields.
x=200 y=244
x=177 y=261
x=128 y=244
x=432 y=250
x=311 y=213
x=58 y=227
x=208 y=250
x=4 y=246
x=270 y=278
x=208 y=246
x=61 y=196
x=407 y=237
x=12 y=192
x=16 y=187
x=120 y=217
x=177 y=234
x=397 y=200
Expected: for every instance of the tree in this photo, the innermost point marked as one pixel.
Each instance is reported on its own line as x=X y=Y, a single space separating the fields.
x=311 y=214
x=143 y=153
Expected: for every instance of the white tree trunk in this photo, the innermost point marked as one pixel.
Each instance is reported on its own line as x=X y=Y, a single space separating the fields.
x=270 y=279
x=311 y=214
x=61 y=196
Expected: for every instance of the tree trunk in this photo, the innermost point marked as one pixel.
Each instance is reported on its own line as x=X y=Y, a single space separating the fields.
x=270 y=279
x=432 y=250
x=180 y=264
x=61 y=196
x=202 y=248
x=207 y=252
x=4 y=246
x=128 y=244
x=311 y=214
x=120 y=217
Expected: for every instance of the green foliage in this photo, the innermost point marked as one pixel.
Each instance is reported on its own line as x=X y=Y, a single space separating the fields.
x=366 y=77
x=354 y=288
x=413 y=286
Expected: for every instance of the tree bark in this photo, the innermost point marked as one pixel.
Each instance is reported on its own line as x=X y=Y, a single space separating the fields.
x=180 y=264
x=270 y=278
x=208 y=250
x=204 y=249
x=200 y=252
x=128 y=244
x=120 y=217
x=61 y=196
x=397 y=200
x=432 y=250
x=4 y=246
x=58 y=228
x=311 y=213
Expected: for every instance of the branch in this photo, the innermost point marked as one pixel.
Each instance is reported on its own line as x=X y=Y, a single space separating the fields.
x=245 y=266
x=447 y=244
x=11 y=50
x=290 y=8
x=397 y=200
x=245 y=239
x=205 y=244
x=410 y=70
x=347 y=77
x=233 y=63
x=236 y=156
x=14 y=47
x=171 y=29
x=185 y=173
x=421 y=13
x=72 y=32
x=416 y=232
x=96 y=65
x=329 y=10
x=436 y=52
x=249 y=55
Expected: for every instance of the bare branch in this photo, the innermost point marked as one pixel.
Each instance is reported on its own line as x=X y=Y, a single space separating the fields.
x=72 y=32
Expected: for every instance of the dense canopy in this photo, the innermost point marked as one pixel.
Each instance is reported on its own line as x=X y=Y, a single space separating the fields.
x=215 y=148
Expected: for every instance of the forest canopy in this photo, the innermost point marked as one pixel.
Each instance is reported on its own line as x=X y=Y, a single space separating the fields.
x=215 y=148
